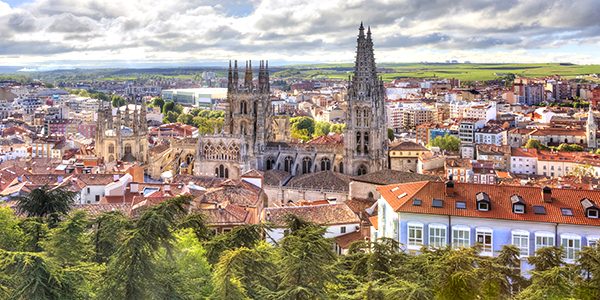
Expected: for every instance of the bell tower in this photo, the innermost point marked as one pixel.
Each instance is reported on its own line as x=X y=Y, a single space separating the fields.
x=365 y=138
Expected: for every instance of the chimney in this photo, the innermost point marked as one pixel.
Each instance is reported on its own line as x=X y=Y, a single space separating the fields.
x=134 y=187
x=450 y=187
x=547 y=194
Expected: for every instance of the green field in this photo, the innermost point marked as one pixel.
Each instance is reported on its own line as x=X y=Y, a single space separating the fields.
x=389 y=71
x=465 y=72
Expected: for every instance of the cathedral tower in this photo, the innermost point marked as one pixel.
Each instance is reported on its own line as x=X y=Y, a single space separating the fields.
x=365 y=138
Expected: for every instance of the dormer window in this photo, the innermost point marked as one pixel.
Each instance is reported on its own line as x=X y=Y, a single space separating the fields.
x=483 y=206
x=591 y=210
x=483 y=201
x=519 y=209
x=518 y=205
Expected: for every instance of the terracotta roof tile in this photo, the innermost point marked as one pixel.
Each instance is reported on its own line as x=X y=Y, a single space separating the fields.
x=501 y=206
x=408 y=146
x=387 y=176
x=326 y=214
x=323 y=180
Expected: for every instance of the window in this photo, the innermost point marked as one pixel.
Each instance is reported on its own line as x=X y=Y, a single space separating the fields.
x=592 y=213
x=519 y=209
x=520 y=239
x=437 y=203
x=437 y=236
x=592 y=241
x=483 y=206
x=461 y=205
x=571 y=243
x=415 y=235
x=566 y=211
x=484 y=238
x=539 y=210
x=343 y=229
x=461 y=237
x=543 y=239
x=417 y=202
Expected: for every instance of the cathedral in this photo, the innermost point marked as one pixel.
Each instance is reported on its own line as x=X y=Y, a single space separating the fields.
x=249 y=137
x=123 y=136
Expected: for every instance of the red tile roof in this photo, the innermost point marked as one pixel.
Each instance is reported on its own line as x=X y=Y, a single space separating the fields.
x=501 y=206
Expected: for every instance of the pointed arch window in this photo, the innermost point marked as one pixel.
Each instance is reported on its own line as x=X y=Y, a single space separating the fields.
x=270 y=163
x=222 y=172
x=358 y=142
x=243 y=107
x=287 y=164
x=325 y=164
x=362 y=170
x=306 y=165
x=366 y=143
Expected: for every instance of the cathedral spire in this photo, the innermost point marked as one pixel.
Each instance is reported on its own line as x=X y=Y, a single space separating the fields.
x=235 y=74
x=267 y=83
x=248 y=75
x=230 y=78
x=365 y=74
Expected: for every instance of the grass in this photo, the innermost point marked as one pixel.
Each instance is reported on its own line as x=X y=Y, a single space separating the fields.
x=465 y=72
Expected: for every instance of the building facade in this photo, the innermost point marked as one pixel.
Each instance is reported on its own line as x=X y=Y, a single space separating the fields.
x=247 y=140
x=123 y=136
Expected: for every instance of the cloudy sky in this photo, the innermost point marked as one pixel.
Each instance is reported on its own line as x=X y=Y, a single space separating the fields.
x=185 y=32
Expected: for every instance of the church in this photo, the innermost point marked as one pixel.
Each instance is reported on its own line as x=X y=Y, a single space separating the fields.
x=249 y=140
x=123 y=135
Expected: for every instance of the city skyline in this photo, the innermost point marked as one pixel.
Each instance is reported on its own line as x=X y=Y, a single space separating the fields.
x=65 y=33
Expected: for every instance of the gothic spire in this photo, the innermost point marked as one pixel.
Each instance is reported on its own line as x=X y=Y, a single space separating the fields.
x=364 y=68
x=248 y=75
x=230 y=78
x=268 y=84
x=235 y=74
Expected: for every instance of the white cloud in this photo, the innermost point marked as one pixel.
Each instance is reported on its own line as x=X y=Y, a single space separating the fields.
x=44 y=31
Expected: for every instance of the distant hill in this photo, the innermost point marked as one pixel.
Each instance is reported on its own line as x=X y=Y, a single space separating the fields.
x=389 y=71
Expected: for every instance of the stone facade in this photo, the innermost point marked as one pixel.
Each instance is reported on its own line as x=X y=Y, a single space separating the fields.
x=253 y=139
x=123 y=136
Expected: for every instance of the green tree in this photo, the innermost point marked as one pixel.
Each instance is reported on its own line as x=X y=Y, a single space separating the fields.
x=569 y=147
x=170 y=117
x=184 y=273
x=302 y=127
x=108 y=233
x=12 y=236
x=390 y=134
x=554 y=284
x=132 y=270
x=588 y=285
x=457 y=276
x=304 y=264
x=46 y=203
x=117 y=101
x=338 y=128
x=547 y=258
x=70 y=242
x=446 y=142
x=242 y=236
x=185 y=119
x=534 y=144
x=321 y=128
x=245 y=273
x=158 y=102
